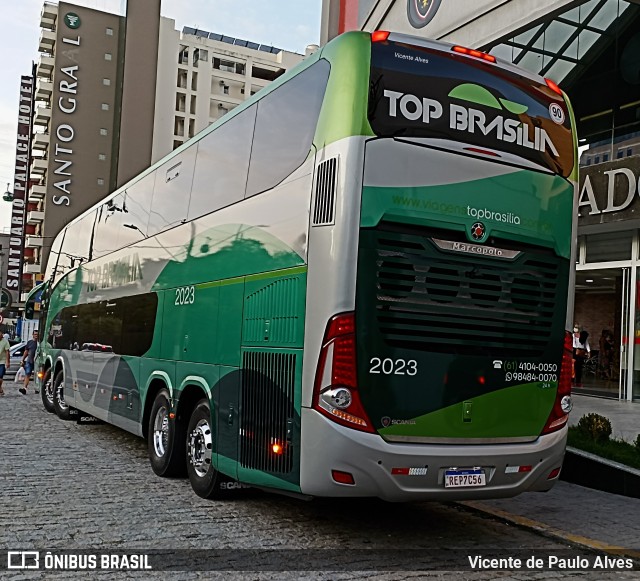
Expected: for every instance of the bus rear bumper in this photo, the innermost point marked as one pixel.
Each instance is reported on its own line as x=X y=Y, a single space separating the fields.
x=327 y=447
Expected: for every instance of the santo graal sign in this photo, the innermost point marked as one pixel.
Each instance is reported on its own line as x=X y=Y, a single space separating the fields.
x=609 y=192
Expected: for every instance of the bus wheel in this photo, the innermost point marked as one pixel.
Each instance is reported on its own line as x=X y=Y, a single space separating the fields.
x=46 y=392
x=63 y=411
x=200 y=448
x=165 y=442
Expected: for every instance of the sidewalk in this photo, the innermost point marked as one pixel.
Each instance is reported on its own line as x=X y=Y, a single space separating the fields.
x=588 y=517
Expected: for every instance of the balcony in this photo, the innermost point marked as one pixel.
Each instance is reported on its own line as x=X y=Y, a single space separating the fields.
x=44 y=88
x=37 y=193
x=34 y=241
x=42 y=116
x=31 y=268
x=47 y=41
x=44 y=68
x=35 y=217
x=48 y=16
x=39 y=166
x=41 y=141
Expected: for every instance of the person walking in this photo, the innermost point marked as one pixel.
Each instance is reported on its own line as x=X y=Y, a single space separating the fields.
x=581 y=351
x=5 y=346
x=28 y=361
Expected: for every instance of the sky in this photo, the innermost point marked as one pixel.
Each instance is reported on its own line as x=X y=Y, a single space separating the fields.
x=287 y=24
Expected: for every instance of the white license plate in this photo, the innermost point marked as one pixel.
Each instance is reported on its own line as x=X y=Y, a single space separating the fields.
x=464 y=478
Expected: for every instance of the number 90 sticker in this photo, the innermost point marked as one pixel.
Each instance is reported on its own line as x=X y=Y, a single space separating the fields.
x=556 y=113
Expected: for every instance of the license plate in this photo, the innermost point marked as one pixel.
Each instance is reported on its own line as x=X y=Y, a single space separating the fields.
x=464 y=478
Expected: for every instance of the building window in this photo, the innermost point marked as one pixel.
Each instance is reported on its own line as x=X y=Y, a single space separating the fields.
x=102 y=156
x=182 y=79
x=629 y=152
x=107 y=56
x=225 y=89
x=100 y=182
x=106 y=82
x=597 y=159
x=105 y=106
x=109 y=31
x=104 y=132
x=605 y=157
x=194 y=81
x=619 y=154
x=177 y=144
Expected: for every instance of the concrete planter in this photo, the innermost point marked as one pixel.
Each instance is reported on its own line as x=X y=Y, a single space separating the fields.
x=593 y=471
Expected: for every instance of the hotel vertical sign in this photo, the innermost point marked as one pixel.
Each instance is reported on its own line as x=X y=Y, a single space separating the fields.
x=20 y=188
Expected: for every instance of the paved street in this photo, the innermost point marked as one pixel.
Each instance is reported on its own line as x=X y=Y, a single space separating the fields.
x=70 y=486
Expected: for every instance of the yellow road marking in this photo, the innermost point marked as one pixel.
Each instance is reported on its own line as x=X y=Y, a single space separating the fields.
x=548 y=529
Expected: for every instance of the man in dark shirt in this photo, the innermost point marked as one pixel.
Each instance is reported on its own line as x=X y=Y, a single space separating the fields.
x=28 y=361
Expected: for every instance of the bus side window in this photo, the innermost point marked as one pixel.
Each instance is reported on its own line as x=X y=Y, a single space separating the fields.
x=222 y=164
x=285 y=127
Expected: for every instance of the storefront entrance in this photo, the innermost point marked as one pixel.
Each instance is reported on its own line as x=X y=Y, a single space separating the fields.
x=600 y=299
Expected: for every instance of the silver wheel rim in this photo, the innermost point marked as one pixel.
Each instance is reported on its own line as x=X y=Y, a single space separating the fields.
x=48 y=391
x=200 y=447
x=60 y=397
x=161 y=432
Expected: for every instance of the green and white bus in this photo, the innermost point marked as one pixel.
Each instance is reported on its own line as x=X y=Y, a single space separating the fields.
x=354 y=284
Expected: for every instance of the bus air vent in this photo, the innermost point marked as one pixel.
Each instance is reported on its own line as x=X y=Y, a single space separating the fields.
x=324 y=209
x=421 y=298
x=268 y=412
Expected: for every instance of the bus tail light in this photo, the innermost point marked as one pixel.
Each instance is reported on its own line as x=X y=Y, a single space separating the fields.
x=335 y=393
x=553 y=86
x=562 y=405
x=380 y=36
x=474 y=53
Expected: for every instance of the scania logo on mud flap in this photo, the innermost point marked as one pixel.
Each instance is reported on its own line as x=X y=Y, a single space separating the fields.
x=386 y=421
x=233 y=486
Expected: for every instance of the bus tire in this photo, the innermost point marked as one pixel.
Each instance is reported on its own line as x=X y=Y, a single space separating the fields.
x=60 y=407
x=46 y=392
x=200 y=447
x=166 y=437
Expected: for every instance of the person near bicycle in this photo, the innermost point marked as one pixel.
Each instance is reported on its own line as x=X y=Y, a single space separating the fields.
x=581 y=352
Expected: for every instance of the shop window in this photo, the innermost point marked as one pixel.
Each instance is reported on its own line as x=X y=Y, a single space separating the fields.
x=609 y=247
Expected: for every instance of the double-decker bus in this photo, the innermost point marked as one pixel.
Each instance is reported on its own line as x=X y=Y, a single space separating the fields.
x=354 y=284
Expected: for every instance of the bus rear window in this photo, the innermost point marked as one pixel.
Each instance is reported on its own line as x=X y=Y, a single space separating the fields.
x=425 y=93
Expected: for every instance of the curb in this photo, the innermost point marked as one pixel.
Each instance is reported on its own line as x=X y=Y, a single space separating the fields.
x=598 y=473
x=549 y=531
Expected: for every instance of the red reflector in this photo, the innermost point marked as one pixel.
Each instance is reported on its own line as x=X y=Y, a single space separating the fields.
x=554 y=473
x=553 y=86
x=474 y=53
x=277 y=449
x=400 y=471
x=525 y=468
x=342 y=477
x=482 y=151
x=481 y=380
x=380 y=36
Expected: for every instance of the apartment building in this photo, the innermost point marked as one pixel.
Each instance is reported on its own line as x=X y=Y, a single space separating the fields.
x=203 y=75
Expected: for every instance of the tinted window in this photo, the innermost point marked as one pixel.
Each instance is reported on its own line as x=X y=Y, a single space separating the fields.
x=222 y=164
x=171 y=192
x=285 y=127
x=105 y=239
x=75 y=246
x=122 y=326
x=136 y=206
x=420 y=92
